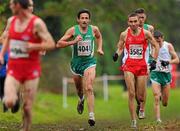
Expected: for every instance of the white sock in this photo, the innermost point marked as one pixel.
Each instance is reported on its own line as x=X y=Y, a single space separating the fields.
x=134 y=121
x=158 y=119
x=91 y=115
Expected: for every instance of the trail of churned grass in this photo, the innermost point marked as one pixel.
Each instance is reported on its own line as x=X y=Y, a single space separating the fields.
x=49 y=115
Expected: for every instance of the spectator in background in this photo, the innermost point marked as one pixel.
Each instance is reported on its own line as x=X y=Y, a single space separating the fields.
x=3 y=76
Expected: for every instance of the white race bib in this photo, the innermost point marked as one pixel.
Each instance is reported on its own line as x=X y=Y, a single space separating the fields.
x=136 y=51
x=18 y=49
x=84 y=48
x=161 y=68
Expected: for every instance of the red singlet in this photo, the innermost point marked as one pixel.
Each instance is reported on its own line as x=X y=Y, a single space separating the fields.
x=134 y=58
x=23 y=65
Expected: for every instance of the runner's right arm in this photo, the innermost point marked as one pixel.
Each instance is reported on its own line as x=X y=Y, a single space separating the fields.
x=5 y=40
x=64 y=41
x=120 y=46
x=5 y=32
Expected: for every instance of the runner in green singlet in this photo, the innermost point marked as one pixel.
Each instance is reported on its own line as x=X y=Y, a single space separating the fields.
x=83 y=64
x=161 y=76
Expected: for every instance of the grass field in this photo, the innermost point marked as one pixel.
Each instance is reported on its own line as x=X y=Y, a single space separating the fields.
x=113 y=115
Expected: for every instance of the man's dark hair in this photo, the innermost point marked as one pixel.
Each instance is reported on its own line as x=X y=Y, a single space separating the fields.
x=83 y=11
x=24 y=3
x=140 y=10
x=132 y=15
x=158 y=34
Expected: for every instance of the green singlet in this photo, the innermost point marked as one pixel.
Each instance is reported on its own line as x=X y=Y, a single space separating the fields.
x=83 y=52
x=145 y=26
x=148 y=53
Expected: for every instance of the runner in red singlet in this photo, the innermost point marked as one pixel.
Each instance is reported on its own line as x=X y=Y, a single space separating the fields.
x=134 y=43
x=140 y=109
x=4 y=35
x=27 y=35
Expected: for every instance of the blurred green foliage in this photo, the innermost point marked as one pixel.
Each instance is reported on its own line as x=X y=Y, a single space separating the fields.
x=110 y=16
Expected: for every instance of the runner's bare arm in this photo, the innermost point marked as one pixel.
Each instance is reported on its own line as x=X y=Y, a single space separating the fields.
x=43 y=33
x=4 y=49
x=64 y=40
x=120 y=44
x=151 y=28
x=5 y=40
x=5 y=32
x=175 y=58
x=98 y=37
x=153 y=42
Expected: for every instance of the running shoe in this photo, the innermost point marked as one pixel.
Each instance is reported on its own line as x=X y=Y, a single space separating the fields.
x=5 y=109
x=80 y=106
x=158 y=121
x=16 y=107
x=133 y=124
x=141 y=114
x=91 y=120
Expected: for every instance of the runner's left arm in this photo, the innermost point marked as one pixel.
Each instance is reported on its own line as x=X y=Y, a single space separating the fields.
x=175 y=58
x=42 y=32
x=5 y=41
x=98 y=37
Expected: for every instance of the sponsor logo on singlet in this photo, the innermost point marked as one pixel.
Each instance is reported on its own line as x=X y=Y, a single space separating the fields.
x=25 y=37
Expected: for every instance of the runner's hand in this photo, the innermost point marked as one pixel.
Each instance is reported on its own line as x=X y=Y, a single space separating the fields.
x=77 y=39
x=42 y=52
x=164 y=63
x=152 y=65
x=30 y=47
x=100 y=52
x=115 y=57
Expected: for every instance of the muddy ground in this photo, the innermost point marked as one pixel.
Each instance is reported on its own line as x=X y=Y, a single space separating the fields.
x=173 y=125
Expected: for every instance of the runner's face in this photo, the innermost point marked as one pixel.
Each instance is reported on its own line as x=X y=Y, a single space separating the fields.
x=142 y=19
x=13 y=7
x=31 y=6
x=133 y=22
x=83 y=20
x=159 y=40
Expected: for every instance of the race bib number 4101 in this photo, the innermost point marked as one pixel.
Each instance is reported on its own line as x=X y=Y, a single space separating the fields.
x=18 y=49
x=136 y=51
x=84 y=48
